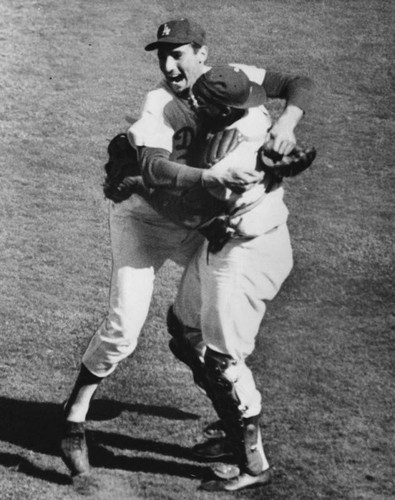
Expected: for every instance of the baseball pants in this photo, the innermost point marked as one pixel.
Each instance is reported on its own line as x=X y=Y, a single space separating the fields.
x=141 y=242
x=224 y=296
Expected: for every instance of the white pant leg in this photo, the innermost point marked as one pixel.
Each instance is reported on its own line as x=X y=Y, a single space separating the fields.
x=235 y=283
x=231 y=289
x=141 y=242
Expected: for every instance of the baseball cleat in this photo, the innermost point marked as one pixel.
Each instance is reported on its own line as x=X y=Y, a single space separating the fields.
x=214 y=449
x=226 y=471
x=74 y=450
x=239 y=482
x=215 y=430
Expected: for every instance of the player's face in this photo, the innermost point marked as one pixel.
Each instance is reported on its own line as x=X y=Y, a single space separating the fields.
x=213 y=111
x=208 y=109
x=181 y=65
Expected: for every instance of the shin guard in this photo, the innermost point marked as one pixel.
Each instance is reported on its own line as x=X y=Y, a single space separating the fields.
x=244 y=433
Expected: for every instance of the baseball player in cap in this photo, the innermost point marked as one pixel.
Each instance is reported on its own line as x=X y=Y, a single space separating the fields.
x=142 y=239
x=222 y=297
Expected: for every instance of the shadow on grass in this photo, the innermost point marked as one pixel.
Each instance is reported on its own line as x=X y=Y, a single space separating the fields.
x=20 y=464
x=104 y=409
x=37 y=426
x=104 y=458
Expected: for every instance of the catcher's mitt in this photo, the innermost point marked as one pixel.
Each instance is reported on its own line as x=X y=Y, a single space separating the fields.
x=122 y=164
x=220 y=144
x=279 y=166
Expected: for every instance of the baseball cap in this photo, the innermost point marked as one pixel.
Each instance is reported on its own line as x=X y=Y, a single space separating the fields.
x=178 y=32
x=230 y=86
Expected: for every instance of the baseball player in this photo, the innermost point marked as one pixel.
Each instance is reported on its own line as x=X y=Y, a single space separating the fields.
x=221 y=300
x=223 y=293
x=166 y=136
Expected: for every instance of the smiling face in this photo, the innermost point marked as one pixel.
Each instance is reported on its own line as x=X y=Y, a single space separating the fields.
x=182 y=65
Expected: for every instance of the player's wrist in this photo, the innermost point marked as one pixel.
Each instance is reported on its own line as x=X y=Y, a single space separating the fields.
x=290 y=117
x=208 y=179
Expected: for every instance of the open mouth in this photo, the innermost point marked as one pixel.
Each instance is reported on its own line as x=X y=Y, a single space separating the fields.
x=175 y=79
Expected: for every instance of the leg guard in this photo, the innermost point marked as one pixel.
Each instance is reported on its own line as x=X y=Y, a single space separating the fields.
x=183 y=344
x=244 y=433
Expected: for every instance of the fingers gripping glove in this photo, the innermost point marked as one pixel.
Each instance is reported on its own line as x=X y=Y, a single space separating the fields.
x=220 y=144
x=278 y=166
x=121 y=170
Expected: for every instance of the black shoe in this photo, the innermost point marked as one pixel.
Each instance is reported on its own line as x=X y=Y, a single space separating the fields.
x=214 y=449
x=74 y=450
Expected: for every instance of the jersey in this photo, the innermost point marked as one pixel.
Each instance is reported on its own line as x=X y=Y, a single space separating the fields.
x=166 y=122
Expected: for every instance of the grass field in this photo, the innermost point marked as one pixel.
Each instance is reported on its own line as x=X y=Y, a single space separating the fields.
x=70 y=73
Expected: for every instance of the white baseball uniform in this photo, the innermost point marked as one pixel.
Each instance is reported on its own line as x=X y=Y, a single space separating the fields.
x=224 y=294
x=142 y=240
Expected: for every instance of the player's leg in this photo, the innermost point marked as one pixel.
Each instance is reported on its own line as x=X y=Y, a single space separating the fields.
x=140 y=244
x=238 y=404
x=183 y=321
x=235 y=285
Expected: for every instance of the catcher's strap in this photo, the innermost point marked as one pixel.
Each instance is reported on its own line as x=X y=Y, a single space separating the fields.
x=278 y=166
x=122 y=164
x=218 y=232
x=220 y=144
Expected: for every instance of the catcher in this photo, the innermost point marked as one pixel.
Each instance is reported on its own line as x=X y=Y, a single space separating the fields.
x=246 y=258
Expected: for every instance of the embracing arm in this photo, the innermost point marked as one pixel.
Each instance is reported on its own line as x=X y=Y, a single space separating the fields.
x=158 y=171
x=296 y=90
x=298 y=93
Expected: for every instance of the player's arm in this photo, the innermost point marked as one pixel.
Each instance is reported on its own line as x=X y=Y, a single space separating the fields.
x=152 y=136
x=295 y=90
x=298 y=92
x=158 y=171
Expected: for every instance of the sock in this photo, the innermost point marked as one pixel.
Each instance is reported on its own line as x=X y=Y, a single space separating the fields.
x=85 y=386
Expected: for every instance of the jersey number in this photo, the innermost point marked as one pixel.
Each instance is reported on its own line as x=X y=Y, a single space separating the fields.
x=182 y=143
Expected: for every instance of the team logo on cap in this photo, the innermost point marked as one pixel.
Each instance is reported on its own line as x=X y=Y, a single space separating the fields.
x=165 y=30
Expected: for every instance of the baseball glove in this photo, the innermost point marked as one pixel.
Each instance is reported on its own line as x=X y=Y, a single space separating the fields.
x=220 y=144
x=279 y=166
x=122 y=170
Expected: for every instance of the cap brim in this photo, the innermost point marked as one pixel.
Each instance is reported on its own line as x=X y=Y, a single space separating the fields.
x=167 y=41
x=257 y=97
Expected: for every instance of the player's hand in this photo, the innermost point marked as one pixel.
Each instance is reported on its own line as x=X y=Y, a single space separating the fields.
x=281 y=134
x=281 y=140
x=121 y=192
x=235 y=180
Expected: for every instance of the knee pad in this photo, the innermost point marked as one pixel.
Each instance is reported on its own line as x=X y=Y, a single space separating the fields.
x=220 y=373
x=222 y=369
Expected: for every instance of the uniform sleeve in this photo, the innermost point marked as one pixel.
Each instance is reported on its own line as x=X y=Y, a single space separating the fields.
x=152 y=136
x=296 y=90
x=151 y=129
x=158 y=170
